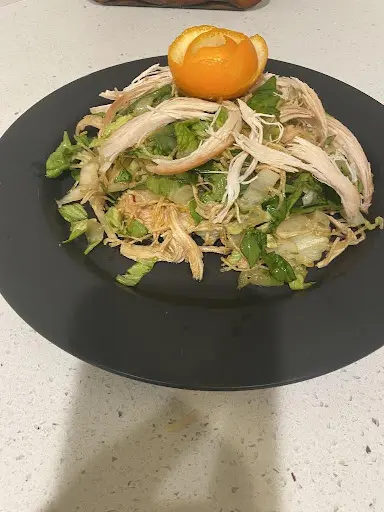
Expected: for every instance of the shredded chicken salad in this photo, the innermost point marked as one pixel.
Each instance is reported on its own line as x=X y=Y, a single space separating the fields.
x=270 y=181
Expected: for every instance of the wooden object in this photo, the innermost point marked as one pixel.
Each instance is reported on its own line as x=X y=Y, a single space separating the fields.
x=188 y=4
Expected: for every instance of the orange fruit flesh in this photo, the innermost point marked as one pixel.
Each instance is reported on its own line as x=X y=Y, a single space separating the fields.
x=212 y=63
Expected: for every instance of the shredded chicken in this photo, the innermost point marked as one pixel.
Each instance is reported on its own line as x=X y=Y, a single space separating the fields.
x=270 y=156
x=138 y=128
x=310 y=100
x=290 y=112
x=165 y=220
x=100 y=109
x=218 y=142
x=89 y=120
x=150 y=75
x=327 y=172
x=339 y=245
x=347 y=142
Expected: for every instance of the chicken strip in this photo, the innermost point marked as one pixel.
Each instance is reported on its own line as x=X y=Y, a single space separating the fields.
x=218 y=142
x=310 y=100
x=348 y=144
x=138 y=128
x=326 y=171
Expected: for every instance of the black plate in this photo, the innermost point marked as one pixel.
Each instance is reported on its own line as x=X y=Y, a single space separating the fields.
x=172 y=330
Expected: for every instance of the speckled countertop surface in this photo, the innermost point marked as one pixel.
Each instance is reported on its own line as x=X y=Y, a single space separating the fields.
x=74 y=438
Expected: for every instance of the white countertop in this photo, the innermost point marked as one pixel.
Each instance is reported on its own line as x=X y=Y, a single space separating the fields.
x=75 y=438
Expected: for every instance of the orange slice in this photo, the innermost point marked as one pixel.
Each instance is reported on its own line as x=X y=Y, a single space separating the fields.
x=213 y=63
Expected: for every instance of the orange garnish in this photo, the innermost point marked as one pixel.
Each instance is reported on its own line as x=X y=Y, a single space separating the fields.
x=215 y=63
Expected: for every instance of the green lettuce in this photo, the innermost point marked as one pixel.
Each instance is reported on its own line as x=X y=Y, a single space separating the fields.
x=218 y=186
x=60 y=160
x=253 y=247
x=187 y=140
x=77 y=229
x=124 y=227
x=265 y=99
x=221 y=118
x=162 y=185
x=258 y=276
x=114 y=125
x=73 y=212
x=92 y=229
x=124 y=176
x=94 y=234
x=162 y=142
x=151 y=99
x=134 y=274
x=324 y=198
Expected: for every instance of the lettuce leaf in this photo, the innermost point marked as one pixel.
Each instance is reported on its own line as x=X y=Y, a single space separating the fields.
x=135 y=229
x=124 y=176
x=187 y=140
x=94 y=234
x=258 y=277
x=221 y=118
x=219 y=183
x=73 y=212
x=151 y=99
x=60 y=160
x=124 y=227
x=325 y=197
x=134 y=274
x=77 y=229
x=253 y=247
x=299 y=284
x=162 y=185
x=115 y=125
x=265 y=99
x=162 y=142
x=92 y=229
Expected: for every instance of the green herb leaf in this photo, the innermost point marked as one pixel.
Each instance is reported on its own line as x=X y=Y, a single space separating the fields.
x=277 y=211
x=265 y=99
x=280 y=210
x=73 y=212
x=134 y=274
x=123 y=176
x=325 y=197
x=77 y=229
x=60 y=160
x=253 y=245
x=279 y=268
x=192 y=210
